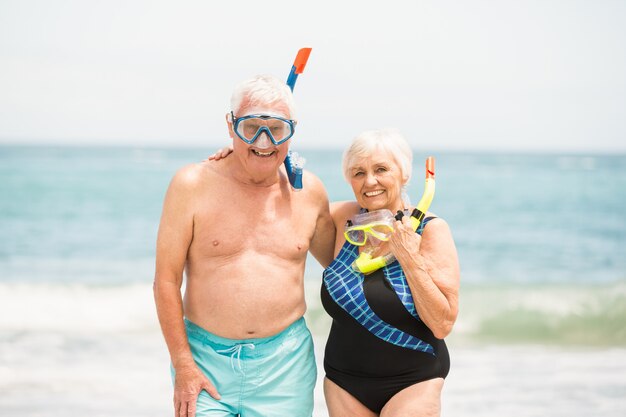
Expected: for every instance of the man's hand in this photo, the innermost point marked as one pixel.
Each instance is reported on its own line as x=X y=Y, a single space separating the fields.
x=189 y=381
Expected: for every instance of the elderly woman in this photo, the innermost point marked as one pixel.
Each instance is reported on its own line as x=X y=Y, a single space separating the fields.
x=385 y=353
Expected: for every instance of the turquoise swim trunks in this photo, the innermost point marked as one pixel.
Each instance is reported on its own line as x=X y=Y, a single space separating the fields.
x=267 y=377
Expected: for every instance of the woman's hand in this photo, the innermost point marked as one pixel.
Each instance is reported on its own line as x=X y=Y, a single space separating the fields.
x=404 y=240
x=220 y=153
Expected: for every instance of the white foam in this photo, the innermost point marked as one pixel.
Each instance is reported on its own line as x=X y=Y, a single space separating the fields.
x=76 y=308
x=54 y=363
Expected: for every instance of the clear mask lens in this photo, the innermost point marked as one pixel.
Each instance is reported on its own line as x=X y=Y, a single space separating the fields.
x=355 y=236
x=381 y=231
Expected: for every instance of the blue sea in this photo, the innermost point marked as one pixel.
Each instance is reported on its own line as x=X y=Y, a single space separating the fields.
x=541 y=241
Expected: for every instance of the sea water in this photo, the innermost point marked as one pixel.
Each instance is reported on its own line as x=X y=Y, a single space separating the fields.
x=542 y=327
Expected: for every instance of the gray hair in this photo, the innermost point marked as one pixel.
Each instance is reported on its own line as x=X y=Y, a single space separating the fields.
x=369 y=142
x=262 y=90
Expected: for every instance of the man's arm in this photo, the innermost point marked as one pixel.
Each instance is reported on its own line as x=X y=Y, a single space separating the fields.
x=323 y=241
x=173 y=241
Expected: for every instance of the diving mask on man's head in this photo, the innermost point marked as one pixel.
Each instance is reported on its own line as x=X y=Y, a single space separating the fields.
x=250 y=127
x=376 y=224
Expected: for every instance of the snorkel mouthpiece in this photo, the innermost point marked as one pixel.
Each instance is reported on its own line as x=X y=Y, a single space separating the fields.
x=365 y=263
x=294 y=164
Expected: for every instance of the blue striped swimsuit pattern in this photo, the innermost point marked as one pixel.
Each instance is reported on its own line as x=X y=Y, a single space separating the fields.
x=345 y=286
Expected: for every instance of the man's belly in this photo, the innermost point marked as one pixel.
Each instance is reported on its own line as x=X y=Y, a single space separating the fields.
x=244 y=301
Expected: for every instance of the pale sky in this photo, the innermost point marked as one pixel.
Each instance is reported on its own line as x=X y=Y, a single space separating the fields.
x=545 y=75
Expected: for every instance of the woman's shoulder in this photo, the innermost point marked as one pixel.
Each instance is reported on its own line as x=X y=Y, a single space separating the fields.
x=430 y=216
x=435 y=227
x=343 y=210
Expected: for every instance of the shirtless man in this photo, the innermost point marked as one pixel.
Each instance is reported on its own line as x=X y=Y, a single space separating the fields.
x=237 y=340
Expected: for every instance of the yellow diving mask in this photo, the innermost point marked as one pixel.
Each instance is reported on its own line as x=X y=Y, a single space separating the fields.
x=376 y=224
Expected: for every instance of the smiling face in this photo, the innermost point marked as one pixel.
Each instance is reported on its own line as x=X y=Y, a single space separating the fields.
x=262 y=158
x=377 y=181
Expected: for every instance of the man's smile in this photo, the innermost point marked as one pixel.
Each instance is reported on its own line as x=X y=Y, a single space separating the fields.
x=263 y=154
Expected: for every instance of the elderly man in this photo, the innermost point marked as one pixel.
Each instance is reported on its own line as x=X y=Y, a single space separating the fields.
x=237 y=340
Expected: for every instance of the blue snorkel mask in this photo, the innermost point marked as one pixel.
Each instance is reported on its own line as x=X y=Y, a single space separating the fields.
x=277 y=129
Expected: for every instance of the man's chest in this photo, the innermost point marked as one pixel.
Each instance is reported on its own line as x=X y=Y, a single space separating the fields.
x=265 y=227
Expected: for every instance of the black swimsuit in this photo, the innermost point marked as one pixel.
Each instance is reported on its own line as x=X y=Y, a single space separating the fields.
x=377 y=344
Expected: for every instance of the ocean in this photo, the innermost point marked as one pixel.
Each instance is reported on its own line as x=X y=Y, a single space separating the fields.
x=541 y=241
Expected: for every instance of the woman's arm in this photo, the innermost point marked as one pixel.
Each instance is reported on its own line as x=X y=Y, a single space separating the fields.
x=341 y=211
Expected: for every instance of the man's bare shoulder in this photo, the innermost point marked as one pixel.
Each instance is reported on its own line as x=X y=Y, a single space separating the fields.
x=193 y=175
x=314 y=185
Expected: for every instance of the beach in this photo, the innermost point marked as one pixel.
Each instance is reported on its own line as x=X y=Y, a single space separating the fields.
x=542 y=322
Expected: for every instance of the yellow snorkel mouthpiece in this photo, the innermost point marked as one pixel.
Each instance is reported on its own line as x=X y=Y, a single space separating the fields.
x=365 y=263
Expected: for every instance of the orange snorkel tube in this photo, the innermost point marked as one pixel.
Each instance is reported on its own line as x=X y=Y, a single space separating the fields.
x=365 y=263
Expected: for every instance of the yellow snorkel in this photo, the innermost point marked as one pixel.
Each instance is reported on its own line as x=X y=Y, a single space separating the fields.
x=367 y=264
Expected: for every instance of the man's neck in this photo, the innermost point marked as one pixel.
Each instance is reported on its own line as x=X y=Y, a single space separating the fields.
x=238 y=173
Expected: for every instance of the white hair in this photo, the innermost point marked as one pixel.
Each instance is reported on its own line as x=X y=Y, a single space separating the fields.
x=262 y=90
x=369 y=142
